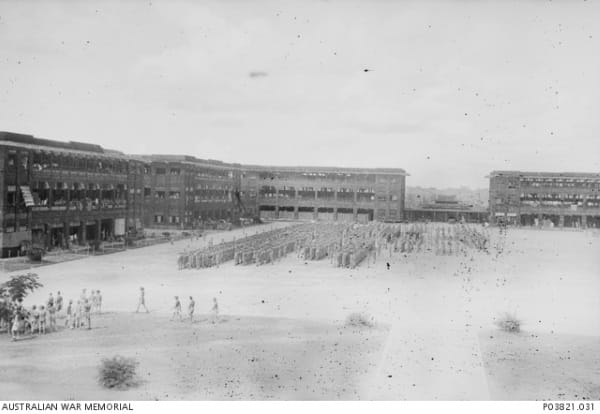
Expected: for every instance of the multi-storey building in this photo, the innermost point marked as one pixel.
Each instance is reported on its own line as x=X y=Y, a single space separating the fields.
x=326 y=193
x=447 y=208
x=183 y=192
x=545 y=198
x=59 y=193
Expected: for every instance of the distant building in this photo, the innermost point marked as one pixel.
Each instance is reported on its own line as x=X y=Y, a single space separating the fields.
x=57 y=194
x=552 y=199
x=327 y=193
x=447 y=208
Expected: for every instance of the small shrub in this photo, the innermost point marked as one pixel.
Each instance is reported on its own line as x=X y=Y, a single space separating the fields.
x=118 y=372
x=509 y=323
x=360 y=320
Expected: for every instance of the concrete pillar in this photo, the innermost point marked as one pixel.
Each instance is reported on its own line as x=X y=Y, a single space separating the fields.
x=315 y=213
x=561 y=221
x=82 y=235
x=335 y=212
x=276 y=211
x=66 y=232
x=47 y=236
x=583 y=222
x=354 y=210
x=296 y=212
x=98 y=227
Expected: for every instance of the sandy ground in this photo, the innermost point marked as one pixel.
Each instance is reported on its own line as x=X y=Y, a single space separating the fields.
x=434 y=316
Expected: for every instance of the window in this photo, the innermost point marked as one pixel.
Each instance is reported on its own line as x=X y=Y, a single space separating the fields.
x=175 y=171
x=147 y=191
x=174 y=195
x=174 y=219
x=158 y=218
x=12 y=159
x=160 y=171
x=159 y=195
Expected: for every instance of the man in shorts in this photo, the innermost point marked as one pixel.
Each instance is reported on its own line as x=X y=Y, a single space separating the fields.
x=69 y=319
x=87 y=313
x=215 y=311
x=177 y=309
x=51 y=317
x=99 y=301
x=142 y=301
x=191 y=307
x=59 y=302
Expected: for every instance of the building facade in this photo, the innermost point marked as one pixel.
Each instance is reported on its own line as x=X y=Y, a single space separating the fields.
x=55 y=194
x=327 y=193
x=545 y=198
x=448 y=209
x=59 y=194
x=184 y=192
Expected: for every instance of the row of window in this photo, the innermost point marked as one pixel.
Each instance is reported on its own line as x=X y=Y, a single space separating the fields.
x=49 y=161
x=323 y=176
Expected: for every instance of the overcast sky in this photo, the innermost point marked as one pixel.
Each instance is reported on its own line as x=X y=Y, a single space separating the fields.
x=446 y=90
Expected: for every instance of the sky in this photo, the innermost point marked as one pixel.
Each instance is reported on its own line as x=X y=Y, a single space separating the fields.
x=447 y=90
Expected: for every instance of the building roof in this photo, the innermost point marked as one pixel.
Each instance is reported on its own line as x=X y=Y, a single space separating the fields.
x=12 y=139
x=29 y=141
x=538 y=174
x=331 y=170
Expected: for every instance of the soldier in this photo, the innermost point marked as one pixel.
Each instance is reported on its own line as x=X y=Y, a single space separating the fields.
x=35 y=319
x=191 y=307
x=51 y=317
x=42 y=324
x=59 y=302
x=78 y=313
x=177 y=309
x=99 y=301
x=69 y=319
x=142 y=300
x=87 y=310
x=215 y=311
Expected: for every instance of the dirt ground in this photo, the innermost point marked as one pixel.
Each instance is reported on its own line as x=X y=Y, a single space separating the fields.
x=435 y=316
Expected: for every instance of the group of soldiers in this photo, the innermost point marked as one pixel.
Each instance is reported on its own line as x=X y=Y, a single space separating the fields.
x=43 y=319
x=259 y=248
x=345 y=244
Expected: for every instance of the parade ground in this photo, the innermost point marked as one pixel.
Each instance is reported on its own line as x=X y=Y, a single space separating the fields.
x=282 y=331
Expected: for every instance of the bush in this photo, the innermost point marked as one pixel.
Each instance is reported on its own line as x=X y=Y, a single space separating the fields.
x=509 y=323
x=118 y=372
x=360 y=320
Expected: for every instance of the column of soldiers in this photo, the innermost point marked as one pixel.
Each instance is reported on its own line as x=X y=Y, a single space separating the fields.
x=259 y=248
x=345 y=244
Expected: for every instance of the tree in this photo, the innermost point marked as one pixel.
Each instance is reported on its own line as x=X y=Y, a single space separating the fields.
x=19 y=286
x=15 y=290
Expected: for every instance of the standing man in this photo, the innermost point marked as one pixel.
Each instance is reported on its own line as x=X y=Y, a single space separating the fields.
x=191 y=307
x=142 y=301
x=215 y=311
x=50 y=301
x=69 y=319
x=59 y=302
x=99 y=301
x=51 y=317
x=177 y=309
x=87 y=310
